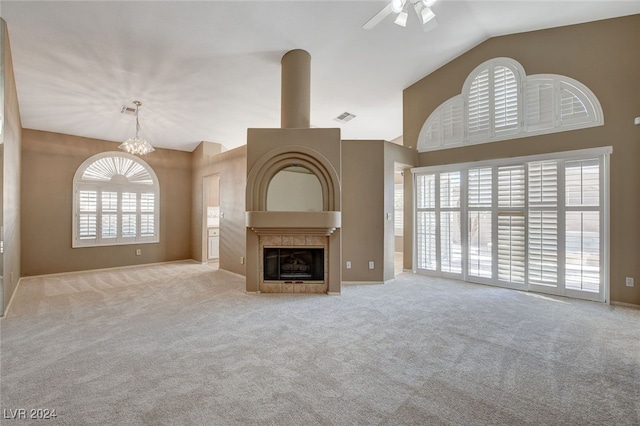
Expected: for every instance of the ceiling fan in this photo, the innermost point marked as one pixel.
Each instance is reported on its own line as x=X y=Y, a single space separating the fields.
x=422 y=7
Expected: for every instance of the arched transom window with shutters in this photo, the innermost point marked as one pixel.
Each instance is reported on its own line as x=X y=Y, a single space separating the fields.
x=499 y=101
x=115 y=201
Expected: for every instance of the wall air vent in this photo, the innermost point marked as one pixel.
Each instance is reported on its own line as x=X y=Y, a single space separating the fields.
x=128 y=110
x=345 y=117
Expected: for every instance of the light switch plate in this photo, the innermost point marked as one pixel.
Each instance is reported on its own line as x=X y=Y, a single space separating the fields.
x=629 y=282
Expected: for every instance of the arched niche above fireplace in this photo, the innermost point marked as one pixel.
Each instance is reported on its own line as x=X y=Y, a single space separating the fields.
x=294 y=189
x=275 y=161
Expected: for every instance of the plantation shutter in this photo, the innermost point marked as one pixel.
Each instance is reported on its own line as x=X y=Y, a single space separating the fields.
x=479 y=232
x=129 y=217
x=432 y=132
x=505 y=89
x=478 y=109
x=572 y=108
x=87 y=214
x=147 y=216
x=452 y=121
x=538 y=102
x=543 y=223
x=582 y=189
x=109 y=214
x=450 y=243
x=511 y=224
x=426 y=222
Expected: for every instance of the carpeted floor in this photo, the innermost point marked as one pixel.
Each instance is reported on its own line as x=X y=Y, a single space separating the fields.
x=182 y=343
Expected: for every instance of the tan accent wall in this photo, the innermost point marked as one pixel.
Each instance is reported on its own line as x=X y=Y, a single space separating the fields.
x=12 y=137
x=50 y=161
x=603 y=55
x=368 y=178
x=363 y=221
x=231 y=166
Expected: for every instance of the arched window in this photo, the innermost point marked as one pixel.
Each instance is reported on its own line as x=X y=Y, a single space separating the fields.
x=115 y=201
x=499 y=101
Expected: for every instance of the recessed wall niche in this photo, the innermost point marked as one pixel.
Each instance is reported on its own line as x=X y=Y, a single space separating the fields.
x=294 y=189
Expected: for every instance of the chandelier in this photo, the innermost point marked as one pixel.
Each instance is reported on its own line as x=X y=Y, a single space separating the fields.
x=136 y=145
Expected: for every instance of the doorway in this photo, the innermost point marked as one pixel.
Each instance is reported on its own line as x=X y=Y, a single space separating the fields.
x=211 y=218
x=398 y=216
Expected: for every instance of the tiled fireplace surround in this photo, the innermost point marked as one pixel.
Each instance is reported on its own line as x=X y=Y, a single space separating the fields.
x=293 y=241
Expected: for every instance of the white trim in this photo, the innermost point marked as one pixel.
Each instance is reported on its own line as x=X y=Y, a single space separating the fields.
x=362 y=282
x=530 y=102
x=561 y=207
x=563 y=155
x=99 y=187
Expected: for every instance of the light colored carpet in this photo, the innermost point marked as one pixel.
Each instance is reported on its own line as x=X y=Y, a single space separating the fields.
x=183 y=343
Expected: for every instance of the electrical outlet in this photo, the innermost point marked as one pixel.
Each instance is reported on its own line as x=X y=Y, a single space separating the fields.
x=242 y=260
x=348 y=264
x=138 y=252
x=629 y=282
x=371 y=264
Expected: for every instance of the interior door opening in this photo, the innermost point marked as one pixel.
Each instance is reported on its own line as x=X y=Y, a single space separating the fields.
x=211 y=218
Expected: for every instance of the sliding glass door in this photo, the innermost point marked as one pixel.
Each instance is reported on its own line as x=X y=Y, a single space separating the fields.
x=530 y=223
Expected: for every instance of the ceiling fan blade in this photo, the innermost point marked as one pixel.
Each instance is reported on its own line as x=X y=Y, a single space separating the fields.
x=386 y=11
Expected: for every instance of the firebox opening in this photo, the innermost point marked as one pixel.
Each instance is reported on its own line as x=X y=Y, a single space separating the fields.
x=293 y=264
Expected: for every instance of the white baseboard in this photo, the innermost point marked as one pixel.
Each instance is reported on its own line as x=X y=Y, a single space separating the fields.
x=333 y=293
x=362 y=282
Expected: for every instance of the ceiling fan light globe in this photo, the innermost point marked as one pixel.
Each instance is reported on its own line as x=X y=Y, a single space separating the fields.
x=397 y=5
x=426 y=14
x=401 y=19
x=428 y=3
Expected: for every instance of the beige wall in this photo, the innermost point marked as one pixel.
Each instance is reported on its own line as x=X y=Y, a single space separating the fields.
x=605 y=56
x=368 y=178
x=12 y=137
x=50 y=161
x=231 y=166
x=363 y=220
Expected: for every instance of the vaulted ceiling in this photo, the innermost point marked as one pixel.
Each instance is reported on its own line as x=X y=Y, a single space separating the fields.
x=208 y=70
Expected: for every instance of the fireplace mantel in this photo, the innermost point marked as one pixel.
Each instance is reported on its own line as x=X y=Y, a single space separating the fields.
x=308 y=223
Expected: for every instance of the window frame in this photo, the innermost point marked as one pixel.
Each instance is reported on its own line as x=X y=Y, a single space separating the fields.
x=562 y=158
x=435 y=135
x=120 y=185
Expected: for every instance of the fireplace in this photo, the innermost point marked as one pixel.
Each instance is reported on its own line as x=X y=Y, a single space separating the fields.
x=294 y=247
x=293 y=264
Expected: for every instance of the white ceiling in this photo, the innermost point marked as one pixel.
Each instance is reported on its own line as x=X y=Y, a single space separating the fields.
x=208 y=70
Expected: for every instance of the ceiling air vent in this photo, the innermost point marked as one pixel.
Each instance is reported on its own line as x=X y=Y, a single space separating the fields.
x=345 y=117
x=128 y=110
